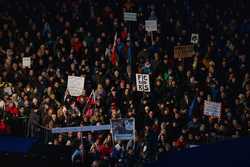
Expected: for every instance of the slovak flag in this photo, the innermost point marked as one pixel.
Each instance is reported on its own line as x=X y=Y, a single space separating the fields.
x=113 y=52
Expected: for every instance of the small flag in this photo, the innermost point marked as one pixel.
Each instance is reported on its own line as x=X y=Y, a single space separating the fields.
x=65 y=94
x=113 y=52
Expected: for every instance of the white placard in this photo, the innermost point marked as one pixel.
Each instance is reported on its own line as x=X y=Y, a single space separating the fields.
x=194 y=38
x=123 y=129
x=27 y=62
x=212 y=108
x=130 y=16
x=142 y=83
x=75 y=85
x=151 y=25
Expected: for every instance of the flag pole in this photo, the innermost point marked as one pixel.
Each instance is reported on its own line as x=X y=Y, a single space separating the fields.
x=85 y=107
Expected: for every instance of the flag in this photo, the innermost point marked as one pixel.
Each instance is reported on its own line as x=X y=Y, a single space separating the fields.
x=113 y=52
x=91 y=101
x=90 y=106
x=65 y=94
x=192 y=108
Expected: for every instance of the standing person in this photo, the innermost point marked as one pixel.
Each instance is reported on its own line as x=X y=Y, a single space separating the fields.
x=78 y=156
x=33 y=123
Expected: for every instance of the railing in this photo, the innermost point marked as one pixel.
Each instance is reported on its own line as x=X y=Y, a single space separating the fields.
x=38 y=131
x=23 y=126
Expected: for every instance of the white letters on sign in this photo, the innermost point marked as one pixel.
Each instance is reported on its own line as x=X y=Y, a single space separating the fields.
x=81 y=129
x=75 y=85
x=151 y=25
x=130 y=16
x=142 y=82
x=212 y=108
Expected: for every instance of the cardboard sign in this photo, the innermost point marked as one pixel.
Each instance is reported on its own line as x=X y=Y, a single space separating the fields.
x=142 y=83
x=123 y=129
x=194 y=38
x=183 y=51
x=75 y=85
x=212 y=109
x=26 y=62
x=151 y=25
x=130 y=16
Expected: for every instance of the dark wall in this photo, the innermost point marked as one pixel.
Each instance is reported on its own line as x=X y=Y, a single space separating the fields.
x=231 y=153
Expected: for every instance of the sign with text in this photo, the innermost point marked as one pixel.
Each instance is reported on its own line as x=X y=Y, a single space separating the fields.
x=81 y=129
x=194 y=38
x=151 y=25
x=142 y=82
x=27 y=62
x=123 y=129
x=130 y=16
x=212 y=108
x=183 y=51
x=75 y=85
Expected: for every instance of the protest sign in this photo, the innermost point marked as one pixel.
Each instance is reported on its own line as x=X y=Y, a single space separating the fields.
x=81 y=129
x=27 y=62
x=151 y=25
x=123 y=129
x=75 y=85
x=183 y=51
x=142 y=83
x=212 y=108
x=194 y=38
x=128 y=16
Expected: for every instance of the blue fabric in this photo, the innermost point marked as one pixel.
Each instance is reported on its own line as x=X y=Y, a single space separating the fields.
x=130 y=55
x=231 y=153
x=76 y=155
x=215 y=94
x=15 y=144
x=192 y=108
x=120 y=49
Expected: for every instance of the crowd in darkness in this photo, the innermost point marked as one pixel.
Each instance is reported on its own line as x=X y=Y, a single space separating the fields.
x=75 y=37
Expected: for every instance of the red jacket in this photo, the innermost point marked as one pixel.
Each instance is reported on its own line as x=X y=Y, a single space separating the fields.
x=104 y=151
x=4 y=129
x=13 y=110
x=77 y=46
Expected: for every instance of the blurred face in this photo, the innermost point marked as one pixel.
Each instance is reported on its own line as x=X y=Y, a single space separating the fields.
x=122 y=84
x=116 y=74
x=126 y=92
x=151 y=114
x=113 y=93
x=107 y=81
x=158 y=83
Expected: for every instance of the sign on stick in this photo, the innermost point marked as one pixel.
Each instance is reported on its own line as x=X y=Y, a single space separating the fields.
x=151 y=25
x=27 y=62
x=123 y=129
x=212 y=108
x=128 y=16
x=194 y=38
x=183 y=51
x=75 y=85
x=142 y=82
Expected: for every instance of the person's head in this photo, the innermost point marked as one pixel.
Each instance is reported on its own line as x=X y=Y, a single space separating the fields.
x=95 y=164
x=81 y=147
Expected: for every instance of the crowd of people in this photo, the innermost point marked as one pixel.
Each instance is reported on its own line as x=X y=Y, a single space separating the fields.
x=76 y=37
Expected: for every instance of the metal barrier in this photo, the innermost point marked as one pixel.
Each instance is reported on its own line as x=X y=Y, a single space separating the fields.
x=38 y=131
